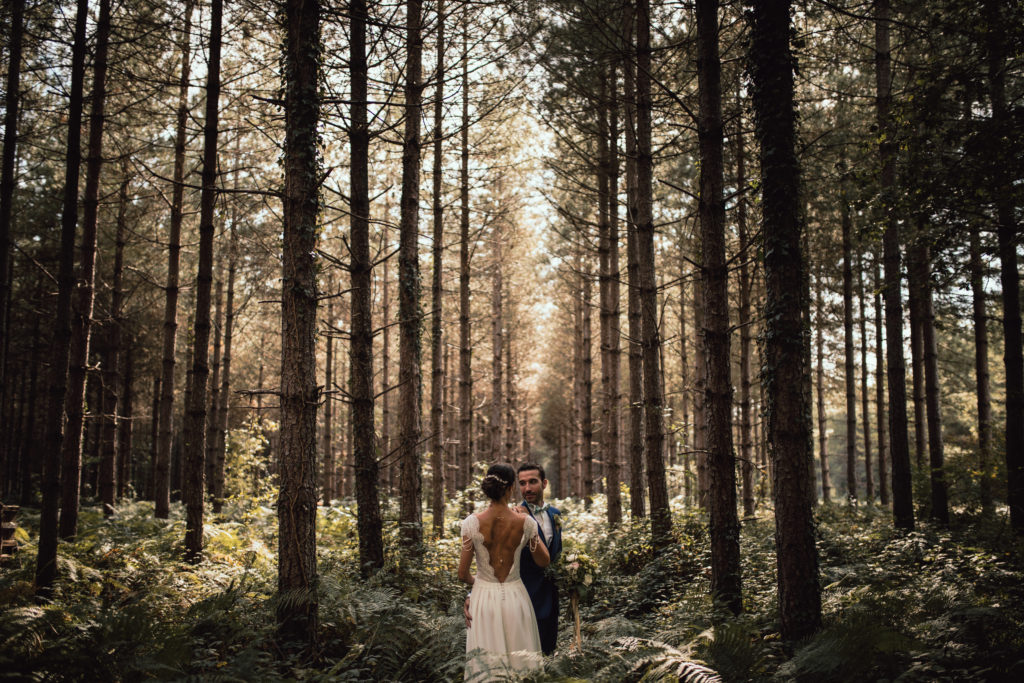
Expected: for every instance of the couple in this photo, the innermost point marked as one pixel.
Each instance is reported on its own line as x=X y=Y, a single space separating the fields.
x=512 y=609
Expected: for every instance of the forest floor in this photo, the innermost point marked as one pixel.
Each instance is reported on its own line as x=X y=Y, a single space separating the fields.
x=933 y=605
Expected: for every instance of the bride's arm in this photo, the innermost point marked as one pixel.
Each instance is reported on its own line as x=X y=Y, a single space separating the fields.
x=465 y=560
x=538 y=550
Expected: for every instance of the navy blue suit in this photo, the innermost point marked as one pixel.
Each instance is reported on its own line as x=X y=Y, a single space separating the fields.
x=543 y=591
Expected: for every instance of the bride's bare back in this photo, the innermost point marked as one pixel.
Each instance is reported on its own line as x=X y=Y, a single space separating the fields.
x=502 y=530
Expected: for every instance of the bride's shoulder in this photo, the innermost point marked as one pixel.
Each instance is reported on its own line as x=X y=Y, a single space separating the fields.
x=470 y=523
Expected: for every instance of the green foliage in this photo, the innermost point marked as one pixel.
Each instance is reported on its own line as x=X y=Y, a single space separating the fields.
x=934 y=604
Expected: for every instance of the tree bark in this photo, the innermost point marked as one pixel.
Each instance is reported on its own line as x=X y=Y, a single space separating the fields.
x=210 y=458
x=409 y=312
x=848 y=354
x=613 y=451
x=869 y=478
x=219 y=451
x=789 y=427
x=329 y=480
x=194 y=432
x=297 y=612
x=700 y=418
x=880 y=409
x=983 y=390
x=940 y=496
x=1009 y=275
x=903 y=504
x=661 y=520
x=74 y=402
x=110 y=475
x=608 y=297
x=497 y=337
x=29 y=449
x=46 y=558
x=826 y=479
x=436 y=339
x=465 y=453
x=635 y=428
x=915 y=302
x=162 y=466
x=7 y=171
x=743 y=316
x=724 y=527
x=587 y=395
x=364 y=456
x=125 y=468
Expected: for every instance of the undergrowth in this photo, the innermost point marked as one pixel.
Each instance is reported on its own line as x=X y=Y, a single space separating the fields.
x=935 y=604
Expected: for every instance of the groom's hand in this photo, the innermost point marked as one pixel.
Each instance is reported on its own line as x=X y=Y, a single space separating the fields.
x=465 y=612
x=520 y=509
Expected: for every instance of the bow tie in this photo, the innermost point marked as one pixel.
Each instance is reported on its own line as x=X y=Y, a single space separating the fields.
x=534 y=509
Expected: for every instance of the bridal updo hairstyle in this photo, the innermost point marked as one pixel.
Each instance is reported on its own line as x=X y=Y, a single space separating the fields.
x=498 y=480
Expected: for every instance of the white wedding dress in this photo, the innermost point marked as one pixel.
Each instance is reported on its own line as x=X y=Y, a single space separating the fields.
x=502 y=638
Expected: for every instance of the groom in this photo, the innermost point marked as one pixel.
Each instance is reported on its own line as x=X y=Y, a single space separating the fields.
x=542 y=589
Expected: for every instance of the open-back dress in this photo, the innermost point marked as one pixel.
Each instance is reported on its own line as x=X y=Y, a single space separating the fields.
x=503 y=635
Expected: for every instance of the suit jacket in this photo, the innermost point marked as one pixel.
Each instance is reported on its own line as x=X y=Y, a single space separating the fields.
x=543 y=591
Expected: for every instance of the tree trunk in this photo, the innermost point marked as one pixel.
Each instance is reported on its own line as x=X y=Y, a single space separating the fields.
x=7 y=175
x=385 y=475
x=700 y=420
x=465 y=453
x=162 y=466
x=577 y=371
x=743 y=315
x=74 y=402
x=826 y=479
x=154 y=429
x=29 y=450
x=880 y=409
x=684 y=388
x=220 y=449
x=409 y=377
x=298 y=605
x=869 y=478
x=46 y=558
x=213 y=408
x=194 y=432
x=587 y=395
x=125 y=469
x=1009 y=276
x=635 y=355
x=110 y=475
x=940 y=497
x=724 y=527
x=329 y=480
x=609 y=294
x=789 y=428
x=848 y=354
x=364 y=456
x=915 y=285
x=436 y=340
x=497 y=368
x=613 y=453
x=903 y=504
x=510 y=401
x=984 y=393
x=661 y=520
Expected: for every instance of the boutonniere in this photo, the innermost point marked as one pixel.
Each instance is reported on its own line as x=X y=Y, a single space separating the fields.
x=556 y=519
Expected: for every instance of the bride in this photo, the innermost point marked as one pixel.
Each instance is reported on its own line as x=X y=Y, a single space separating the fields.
x=501 y=631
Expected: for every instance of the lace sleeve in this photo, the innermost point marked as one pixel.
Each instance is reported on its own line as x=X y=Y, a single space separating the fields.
x=530 y=533
x=470 y=526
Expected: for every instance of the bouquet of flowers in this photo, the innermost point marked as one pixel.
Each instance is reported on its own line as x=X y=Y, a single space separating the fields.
x=577 y=573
